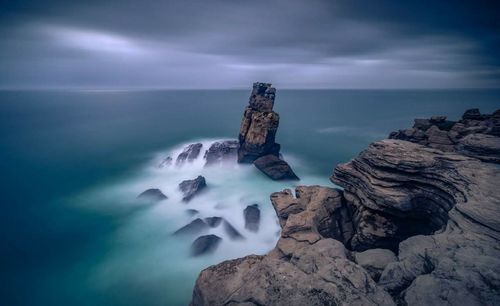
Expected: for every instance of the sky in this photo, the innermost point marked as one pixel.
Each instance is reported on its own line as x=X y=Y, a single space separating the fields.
x=204 y=44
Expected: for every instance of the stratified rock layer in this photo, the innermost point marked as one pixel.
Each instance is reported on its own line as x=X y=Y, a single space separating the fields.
x=436 y=207
x=259 y=125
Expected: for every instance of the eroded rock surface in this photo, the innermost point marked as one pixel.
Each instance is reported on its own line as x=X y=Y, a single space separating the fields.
x=275 y=168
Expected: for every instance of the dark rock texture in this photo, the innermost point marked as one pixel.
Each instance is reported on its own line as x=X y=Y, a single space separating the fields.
x=196 y=226
x=475 y=135
x=152 y=195
x=191 y=187
x=275 y=168
x=416 y=224
x=222 y=151
x=252 y=217
x=259 y=125
x=167 y=161
x=213 y=221
x=205 y=245
x=189 y=153
x=232 y=232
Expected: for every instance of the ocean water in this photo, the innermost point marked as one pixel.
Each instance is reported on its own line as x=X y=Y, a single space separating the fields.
x=73 y=162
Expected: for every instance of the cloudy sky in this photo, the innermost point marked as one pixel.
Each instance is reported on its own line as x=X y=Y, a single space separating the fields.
x=229 y=44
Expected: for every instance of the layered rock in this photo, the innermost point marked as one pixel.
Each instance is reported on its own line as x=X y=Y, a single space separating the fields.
x=258 y=132
x=436 y=207
x=305 y=268
x=259 y=125
x=476 y=135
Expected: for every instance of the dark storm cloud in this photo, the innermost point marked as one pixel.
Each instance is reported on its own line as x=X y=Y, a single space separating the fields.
x=217 y=44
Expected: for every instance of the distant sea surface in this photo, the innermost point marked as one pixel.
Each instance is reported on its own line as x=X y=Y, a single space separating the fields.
x=72 y=163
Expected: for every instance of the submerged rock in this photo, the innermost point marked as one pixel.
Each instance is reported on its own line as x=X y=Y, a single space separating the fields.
x=190 y=153
x=213 y=221
x=221 y=151
x=153 y=195
x=275 y=168
x=205 y=245
x=191 y=187
x=195 y=227
x=252 y=217
x=192 y=212
x=167 y=161
x=232 y=232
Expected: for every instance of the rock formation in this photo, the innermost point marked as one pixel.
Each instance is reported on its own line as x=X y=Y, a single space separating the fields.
x=417 y=223
x=221 y=151
x=189 y=153
x=257 y=134
x=252 y=217
x=152 y=195
x=205 y=245
x=196 y=226
x=191 y=187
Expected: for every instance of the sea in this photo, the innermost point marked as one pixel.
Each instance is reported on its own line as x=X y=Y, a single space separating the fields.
x=72 y=163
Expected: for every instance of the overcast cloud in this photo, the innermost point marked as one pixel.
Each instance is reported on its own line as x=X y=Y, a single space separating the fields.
x=230 y=44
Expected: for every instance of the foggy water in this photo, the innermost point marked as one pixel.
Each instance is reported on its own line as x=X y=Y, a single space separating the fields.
x=73 y=164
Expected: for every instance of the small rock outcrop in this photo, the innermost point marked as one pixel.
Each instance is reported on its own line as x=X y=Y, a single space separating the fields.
x=221 y=151
x=252 y=217
x=152 y=195
x=275 y=168
x=192 y=212
x=195 y=227
x=232 y=232
x=205 y=245
x=192 y=187
x=475 y=135
x=190 y=153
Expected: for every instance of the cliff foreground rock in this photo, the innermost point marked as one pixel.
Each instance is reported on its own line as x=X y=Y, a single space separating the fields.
x=416 y=224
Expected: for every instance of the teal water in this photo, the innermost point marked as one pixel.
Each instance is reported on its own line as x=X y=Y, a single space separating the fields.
x=72 y=163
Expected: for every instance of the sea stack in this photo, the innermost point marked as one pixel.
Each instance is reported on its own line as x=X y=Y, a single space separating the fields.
x=257 y=134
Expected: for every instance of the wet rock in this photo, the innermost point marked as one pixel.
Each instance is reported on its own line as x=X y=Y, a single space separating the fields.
x=252 y=217
x=205 y=245
x=167 y=161
x=153 y=195
x=189 y=153
x=213 y=221
x=192 y=187
x=275 y=168
x=192 y=212
x=374 y=261
x=222 y=151
x=196 y=226
x=232 y=232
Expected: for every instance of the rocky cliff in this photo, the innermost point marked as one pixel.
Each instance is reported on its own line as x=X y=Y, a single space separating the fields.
x=415 y=224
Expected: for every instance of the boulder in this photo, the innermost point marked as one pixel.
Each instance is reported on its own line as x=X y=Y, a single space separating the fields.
x=252 y=217
x=189 y=153
x=195 y=227
x=221 y=151
x=275 y=168
x=192 y=187
x=374 y=261
x=205 y=245
x=152 y=195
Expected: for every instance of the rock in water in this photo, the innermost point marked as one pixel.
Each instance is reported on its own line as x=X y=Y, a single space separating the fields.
x=259 y=125
x=213 y=221
x=232 y=232
x=167 y=161
x=195 y=227
x=192 y=212
x=221 y=151
x=205 y=245
x=252 y=217
x=191 y=187
x=189 y=153
x=275 y=168
x=153 y=195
